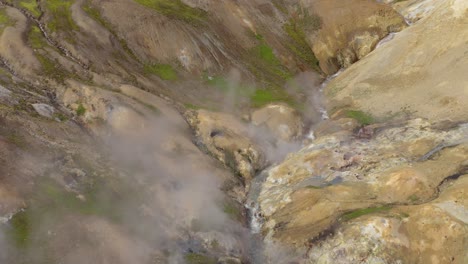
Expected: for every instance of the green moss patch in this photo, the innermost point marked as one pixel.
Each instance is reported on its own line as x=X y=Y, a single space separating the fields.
x=31 y=6
x=192 y=106
x=100 y=200
x=267 y=64
x=232 y=210
x=81 y=110
x=20 y=229
x=51 y=201
x=5 y=20
x=176 y=9
x=360 y=212
x=413 y=198
x=194 y=258
x=257 y=97
x=280 y=5
x=265 y=53
x=299 y=45
x=60 y=15
x=50 y=204
x=61 y=117
x=23 y=235
x=270 y=74
x=224 y=85
x=163 y=71
x=17 y=140
x=217 y=81
x=361 y=117
x=404 y=215
x=313 y=187
x=264 y=97
x=94 y=14
x=49 y=67
x=35 y=38
x=53 y=69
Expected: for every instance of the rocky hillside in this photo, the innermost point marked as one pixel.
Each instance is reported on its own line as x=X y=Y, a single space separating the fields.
x=418 y=74
x=250 y=131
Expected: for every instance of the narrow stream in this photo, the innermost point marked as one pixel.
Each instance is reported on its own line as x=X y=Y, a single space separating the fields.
x=4 y=64
x=388 y=38
x=254 y=212
x=256 y=219
x=324 y=84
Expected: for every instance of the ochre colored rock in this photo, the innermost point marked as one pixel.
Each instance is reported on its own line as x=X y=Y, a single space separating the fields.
x=350 y=30
x=419 y=74
x=283 y=121
x=225 y=137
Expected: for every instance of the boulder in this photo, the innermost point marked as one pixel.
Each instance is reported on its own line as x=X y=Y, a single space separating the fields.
x=363 y=43
x=44 y=110
x=283 y=121
x=225 y=137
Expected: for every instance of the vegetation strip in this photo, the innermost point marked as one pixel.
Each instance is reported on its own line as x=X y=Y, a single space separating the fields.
x=364 y=211
x=52 y=42
x=361 y=117
x=163 y=71
x=176 y=9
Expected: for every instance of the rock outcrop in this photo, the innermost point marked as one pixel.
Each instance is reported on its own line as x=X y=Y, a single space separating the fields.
x=429 y=233
x=226 y=138
x=420 y=74
x=340 y=177
x=283 y=121
x=415 y=10
x=350 y=30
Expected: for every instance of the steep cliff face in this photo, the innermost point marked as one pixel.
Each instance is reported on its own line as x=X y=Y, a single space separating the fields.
x=419 y=74
x=350 y=31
